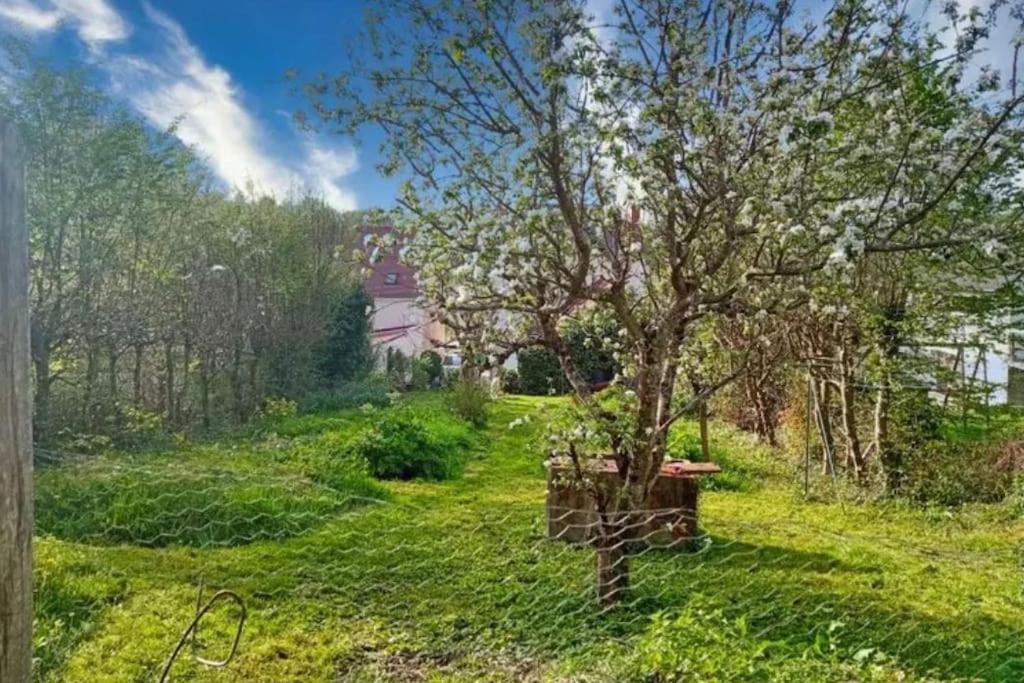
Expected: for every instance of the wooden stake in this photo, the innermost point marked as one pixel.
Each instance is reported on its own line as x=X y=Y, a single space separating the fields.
x=15 y=420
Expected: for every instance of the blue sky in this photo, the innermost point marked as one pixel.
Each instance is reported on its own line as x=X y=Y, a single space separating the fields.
x=218 y=66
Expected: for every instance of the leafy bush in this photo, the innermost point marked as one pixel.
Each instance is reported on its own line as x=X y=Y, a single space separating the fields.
x=370 y=391
x=128 y=428
x=396 y=366
x=427 y=370
x=401 y=445
x=953 y=473
x=539 y=373
x=510 y=382
x=329 y=460
x=471 y=401
x=280 y=407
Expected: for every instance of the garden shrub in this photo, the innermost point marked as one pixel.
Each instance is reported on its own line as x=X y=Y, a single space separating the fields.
x=403 y=445
x=540 y=373
x=372 y=391
x=510 y=382
x=427 y=370
x=470 y=400
x=330 y=460
x=953 y=473
x=930 y=467
x=126 y=427
x=280 y=407
x=396 y=366
x=346 y=353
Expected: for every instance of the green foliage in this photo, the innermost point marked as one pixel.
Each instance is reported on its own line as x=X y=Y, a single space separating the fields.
x=280 y=408
x=401 y=445
x=187 y=302
x=330 y=460
x=427 y=370
x=346 y=354
x=396 y=365
x=738 y=473
x=540 y=374
x=953 y=473
x=470 y=400
x=371 y=391
x=511 y=383
x=586 y=340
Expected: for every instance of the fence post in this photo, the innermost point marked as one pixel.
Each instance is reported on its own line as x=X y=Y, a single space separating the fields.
x=15 y=420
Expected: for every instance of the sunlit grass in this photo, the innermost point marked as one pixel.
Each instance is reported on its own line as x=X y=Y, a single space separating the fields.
x=455 y=581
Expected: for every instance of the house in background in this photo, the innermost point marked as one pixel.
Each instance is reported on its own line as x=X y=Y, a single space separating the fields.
x=399 y=322
x=989 y=362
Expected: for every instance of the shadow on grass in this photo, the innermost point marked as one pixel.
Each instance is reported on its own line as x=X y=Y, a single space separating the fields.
x=476 y=581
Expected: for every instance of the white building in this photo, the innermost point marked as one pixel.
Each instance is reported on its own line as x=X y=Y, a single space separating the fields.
x=399 y=322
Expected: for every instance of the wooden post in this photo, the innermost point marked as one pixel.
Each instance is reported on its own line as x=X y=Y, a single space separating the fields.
x=15 y=420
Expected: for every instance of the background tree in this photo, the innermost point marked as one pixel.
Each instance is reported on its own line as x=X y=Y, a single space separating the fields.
x=157 y=298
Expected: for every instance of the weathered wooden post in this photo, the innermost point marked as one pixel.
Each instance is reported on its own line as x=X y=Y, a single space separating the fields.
x=15 y=420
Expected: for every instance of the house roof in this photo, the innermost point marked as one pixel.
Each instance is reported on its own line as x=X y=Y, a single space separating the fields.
x=389 y=278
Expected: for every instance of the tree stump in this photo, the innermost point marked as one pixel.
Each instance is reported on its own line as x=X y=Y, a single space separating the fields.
x=668 y=519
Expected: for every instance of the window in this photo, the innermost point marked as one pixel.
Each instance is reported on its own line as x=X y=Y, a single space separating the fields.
x=391 y=278
x=1017 y=349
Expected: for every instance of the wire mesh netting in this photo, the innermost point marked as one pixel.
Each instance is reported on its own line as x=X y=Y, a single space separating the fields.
x=482 y=581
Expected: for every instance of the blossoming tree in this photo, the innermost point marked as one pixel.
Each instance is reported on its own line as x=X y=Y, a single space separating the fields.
x=673 y=161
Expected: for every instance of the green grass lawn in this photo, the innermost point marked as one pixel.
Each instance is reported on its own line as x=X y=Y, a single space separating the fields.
x=347 y=579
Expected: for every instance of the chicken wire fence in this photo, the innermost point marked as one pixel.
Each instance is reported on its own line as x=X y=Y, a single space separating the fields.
x=136 y=562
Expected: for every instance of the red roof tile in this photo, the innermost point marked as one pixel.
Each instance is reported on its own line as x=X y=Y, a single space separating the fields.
x=389 y=278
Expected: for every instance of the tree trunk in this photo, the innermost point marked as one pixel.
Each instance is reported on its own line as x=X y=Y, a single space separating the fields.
x=848 y=407
x=204 y=395
x=612 y=563
x=822 y=398
x=186 y=376
x=137 y=377
x=169 y=381
x=255 y=397
x=236 y=383
x=705 y=447
x=91 y=372
x=891 y=459
x=112 y=377
x=41 y=363
x=15 y=420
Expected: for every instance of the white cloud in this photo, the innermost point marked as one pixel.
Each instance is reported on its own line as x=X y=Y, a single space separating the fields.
x=95 y=21
x=174 y=85
x=326 y=168
x=178 y=87
x=28 y=16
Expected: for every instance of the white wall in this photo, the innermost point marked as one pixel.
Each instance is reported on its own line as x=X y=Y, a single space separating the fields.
x=423 y=330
